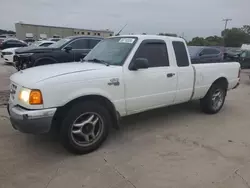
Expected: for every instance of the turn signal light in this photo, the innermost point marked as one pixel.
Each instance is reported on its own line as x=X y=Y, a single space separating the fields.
x=35 y=97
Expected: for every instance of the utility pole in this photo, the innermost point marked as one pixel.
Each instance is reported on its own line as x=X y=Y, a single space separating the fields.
x=226 y=20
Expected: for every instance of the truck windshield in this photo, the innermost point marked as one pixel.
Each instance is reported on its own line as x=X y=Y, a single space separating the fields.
x=114 y=51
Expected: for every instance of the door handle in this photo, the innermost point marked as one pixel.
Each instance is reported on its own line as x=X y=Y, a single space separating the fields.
x=170 y=75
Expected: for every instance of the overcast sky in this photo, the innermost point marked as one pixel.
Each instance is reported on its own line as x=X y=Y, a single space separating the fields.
x=191 y=17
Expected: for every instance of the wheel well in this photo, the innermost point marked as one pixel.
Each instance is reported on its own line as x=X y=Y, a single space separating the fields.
x=222 y=81
x=62 y=111
x=44 y=58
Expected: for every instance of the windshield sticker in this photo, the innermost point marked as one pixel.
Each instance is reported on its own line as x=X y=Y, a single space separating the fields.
x=126 y=40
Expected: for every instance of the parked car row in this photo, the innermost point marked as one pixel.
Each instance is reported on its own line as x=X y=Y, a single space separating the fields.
x=8 y=54
x=204 y=54
x=76 y=48
x=69 y=49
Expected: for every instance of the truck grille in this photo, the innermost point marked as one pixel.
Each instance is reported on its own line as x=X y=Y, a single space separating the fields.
x=13 y=88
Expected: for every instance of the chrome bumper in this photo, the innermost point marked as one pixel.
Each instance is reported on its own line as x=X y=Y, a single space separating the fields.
x=31 y=121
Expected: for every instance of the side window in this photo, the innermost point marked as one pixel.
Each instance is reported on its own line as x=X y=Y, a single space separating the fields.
x=210 y=52
x=180 y=54
x=46 y=44
x=79 y=44
x=11 y=42
x=244 y=54
x=248 y=54
x=93 y=43
x=155 y=52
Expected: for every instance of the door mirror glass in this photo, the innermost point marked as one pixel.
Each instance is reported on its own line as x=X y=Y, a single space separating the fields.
x=68 y=48
x=140 y=63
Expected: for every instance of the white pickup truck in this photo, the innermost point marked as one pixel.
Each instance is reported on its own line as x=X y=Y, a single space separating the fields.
x=122 y=75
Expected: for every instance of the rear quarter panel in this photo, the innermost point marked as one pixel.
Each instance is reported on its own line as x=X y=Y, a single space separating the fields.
x=207 y=74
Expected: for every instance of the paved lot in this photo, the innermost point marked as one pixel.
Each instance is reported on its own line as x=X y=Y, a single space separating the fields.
x=171 y=147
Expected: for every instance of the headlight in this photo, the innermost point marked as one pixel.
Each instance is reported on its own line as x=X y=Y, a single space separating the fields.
x=30 y=96
x=7 y=53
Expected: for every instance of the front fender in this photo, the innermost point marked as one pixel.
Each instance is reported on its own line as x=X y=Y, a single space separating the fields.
x=84 y=92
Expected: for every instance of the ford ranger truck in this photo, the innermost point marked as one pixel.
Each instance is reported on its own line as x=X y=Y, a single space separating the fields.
x=122 y=75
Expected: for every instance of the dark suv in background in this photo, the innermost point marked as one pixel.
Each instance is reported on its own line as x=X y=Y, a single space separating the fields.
x=69 y=49
x=204 y=54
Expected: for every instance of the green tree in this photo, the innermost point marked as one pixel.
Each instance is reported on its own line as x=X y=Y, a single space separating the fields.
x=246 y=29
x=6 y=32
x=214 y=40
x=235 y=37
x=198 y=41
x=208 y=41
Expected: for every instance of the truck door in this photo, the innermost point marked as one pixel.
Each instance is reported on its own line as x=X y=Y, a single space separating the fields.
x=154 y=86
x=185 y=73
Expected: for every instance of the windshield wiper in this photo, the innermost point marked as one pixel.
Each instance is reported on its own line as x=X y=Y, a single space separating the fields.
x=98 y=61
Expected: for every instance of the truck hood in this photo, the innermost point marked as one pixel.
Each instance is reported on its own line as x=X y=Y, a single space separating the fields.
x=30 y=76
x=31 y=49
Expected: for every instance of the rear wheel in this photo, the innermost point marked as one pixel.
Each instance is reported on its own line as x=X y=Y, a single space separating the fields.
x=85 y=127
x=214 y=99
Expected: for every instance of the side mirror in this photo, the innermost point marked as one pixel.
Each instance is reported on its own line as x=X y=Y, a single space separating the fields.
x=139 y=63
x=201 y=54
x=68 y=48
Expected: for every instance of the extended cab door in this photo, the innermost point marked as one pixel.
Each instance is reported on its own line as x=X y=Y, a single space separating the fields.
x=154 y=86
x=185 y=73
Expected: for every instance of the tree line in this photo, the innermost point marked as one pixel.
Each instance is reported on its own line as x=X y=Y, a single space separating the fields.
x=2 y=31
x=233 y=37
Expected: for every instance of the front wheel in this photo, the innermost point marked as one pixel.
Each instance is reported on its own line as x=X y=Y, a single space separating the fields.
x=214 y=99
x=85 y=127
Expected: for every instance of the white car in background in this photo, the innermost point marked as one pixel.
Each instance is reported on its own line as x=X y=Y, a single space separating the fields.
x=8 y=54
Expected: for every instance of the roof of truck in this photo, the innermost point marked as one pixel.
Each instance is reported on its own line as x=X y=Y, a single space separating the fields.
x=153 y=37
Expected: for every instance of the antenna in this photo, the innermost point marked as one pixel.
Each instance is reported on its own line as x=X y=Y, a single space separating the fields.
x=121 y=30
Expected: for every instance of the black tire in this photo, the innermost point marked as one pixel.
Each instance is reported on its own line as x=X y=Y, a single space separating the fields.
x=66 y=135
x=207 y=102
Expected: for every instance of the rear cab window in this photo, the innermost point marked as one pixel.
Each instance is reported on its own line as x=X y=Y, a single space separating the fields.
x=180 y=54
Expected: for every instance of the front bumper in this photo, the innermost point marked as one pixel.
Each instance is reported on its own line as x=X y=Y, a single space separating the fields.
x=8 y=59
x=31 y=121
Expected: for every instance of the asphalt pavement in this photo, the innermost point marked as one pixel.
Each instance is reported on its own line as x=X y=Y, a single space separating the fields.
x=170 y=147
